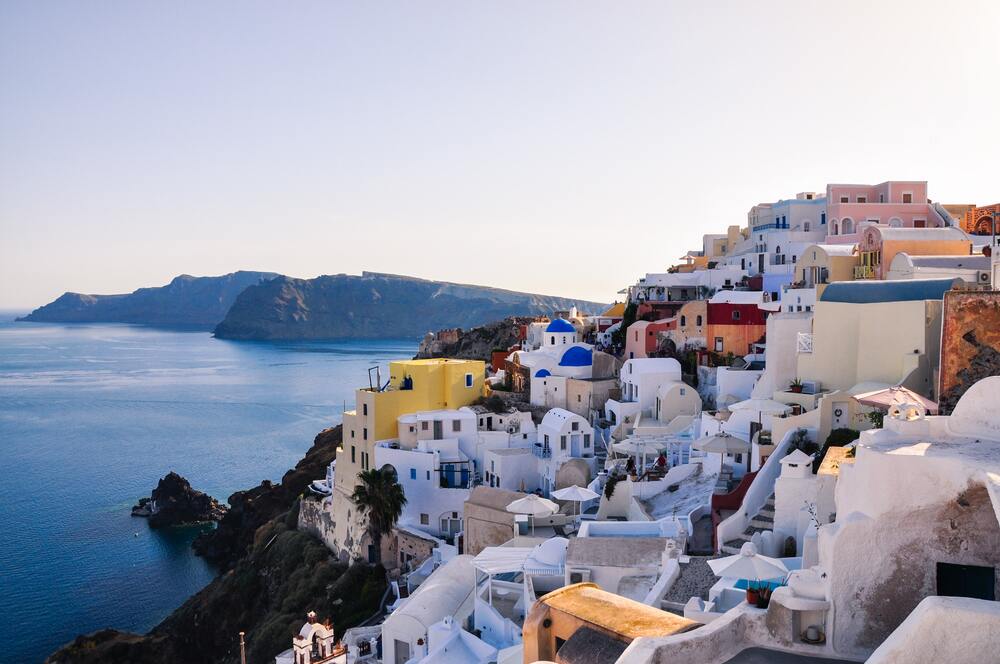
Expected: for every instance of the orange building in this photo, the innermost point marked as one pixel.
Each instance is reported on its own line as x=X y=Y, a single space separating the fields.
x=979 y=220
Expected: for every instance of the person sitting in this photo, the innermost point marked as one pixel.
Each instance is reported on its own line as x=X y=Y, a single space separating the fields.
x=661 y=462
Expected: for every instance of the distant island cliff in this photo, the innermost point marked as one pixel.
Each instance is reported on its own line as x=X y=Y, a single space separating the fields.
x=199 y=302
x=374 y=305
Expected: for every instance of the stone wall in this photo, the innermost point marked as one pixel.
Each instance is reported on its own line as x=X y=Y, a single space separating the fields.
x=970 y=343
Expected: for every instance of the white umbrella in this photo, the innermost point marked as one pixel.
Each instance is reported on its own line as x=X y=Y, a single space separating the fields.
x=761 y=406
x=638 y=447
x=722 y=443
x=577 y=494
x=748 y=564
x=533 y=506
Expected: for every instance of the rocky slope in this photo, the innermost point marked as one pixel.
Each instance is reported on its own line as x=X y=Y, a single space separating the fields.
x=475 y=344
x=374 y=306
x=198 y=302
x=251 y=509
x=173 y=503
x=275 y=574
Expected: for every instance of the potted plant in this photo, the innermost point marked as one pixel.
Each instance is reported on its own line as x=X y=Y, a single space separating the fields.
x=795 y=386
x=753 y=592
x=764 y=596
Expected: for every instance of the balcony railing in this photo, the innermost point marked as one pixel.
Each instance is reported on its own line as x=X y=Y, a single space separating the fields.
x=542 y=452
x=864 y=271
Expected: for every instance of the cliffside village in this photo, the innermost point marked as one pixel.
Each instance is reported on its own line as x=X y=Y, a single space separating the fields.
x=784 y=448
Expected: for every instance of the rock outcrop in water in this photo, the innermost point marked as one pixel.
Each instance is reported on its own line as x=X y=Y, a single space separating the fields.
x=174 y=503
x=275 y=574
x=374 y=306
x=197 y=302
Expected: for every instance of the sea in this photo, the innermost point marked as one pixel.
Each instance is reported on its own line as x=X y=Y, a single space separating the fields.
x=92 y=415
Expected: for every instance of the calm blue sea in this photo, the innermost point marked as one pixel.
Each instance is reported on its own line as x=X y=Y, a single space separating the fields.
x=91 y=416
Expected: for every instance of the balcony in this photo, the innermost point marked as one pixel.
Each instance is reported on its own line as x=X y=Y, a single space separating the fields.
x=542 y=452
x=864 y=271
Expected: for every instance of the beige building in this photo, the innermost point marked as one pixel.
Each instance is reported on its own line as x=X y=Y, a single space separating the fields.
x=586 y=394
x=692 y=324
x=822 y=264
x=884 y=332
x=676 y=398
x=486 y=519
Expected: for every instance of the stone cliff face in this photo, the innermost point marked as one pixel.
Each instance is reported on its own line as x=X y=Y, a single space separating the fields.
x=199 y=302
x=251 y=509
x=274 y=575
x=374 y=306
x=475 y=344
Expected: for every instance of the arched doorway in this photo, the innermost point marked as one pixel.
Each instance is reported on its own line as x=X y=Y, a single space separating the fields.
x=847 y=226
x=984 y=226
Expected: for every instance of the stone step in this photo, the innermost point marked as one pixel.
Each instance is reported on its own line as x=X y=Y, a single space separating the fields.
x=747 y=534
x=761 y=523
x=762 y=516
x=732 y=548
x=769 y=513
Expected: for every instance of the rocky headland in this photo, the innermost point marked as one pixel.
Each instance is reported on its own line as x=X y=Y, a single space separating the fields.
x=195 y=302
x=174 y=503
x=374 y=306
x=272 y=575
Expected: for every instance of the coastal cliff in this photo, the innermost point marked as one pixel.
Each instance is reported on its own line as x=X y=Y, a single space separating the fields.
x=374 y=306
x=197 y=302
x=477 y=343
x=273 y=574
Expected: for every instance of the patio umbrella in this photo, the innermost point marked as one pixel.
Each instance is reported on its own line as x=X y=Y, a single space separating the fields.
x=748 y=564
x=638 y=447
x=764 y=406
x=722 y=443
x=577 y=494
x=533 y=506
x=890 y=396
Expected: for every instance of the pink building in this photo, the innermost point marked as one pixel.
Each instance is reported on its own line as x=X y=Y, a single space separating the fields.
x=893 y=204
x=641 y=337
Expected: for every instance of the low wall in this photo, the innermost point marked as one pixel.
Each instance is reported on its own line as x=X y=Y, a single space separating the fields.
x=958 y=629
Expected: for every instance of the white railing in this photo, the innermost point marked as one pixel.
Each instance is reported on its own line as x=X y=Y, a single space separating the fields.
x=804 y=342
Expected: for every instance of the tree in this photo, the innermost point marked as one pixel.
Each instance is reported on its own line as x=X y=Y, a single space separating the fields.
x=380 y=497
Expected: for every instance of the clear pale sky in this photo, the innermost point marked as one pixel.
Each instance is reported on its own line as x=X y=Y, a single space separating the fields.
x=563 y=148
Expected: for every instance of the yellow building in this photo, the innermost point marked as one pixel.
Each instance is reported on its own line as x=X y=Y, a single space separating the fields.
x=413 y=386
x=823 y=264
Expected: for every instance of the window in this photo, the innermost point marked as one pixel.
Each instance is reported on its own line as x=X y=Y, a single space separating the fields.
x=364 y=410
x=805 y=226
x=352 y=434
x=425 y=425
x=684 y=321
x=907 y=197
x=718 y=344
x=552 y=341
x=578 y=398
x=586 y=440
x=428 y=474
x=697 y=320
x=364 y=434
x=546 y=440
x=794 y=258
x=774 y=296
x=493 y=466
x=413 y=473
x=736 y=315
x=822 y=218
x=881 y=198
x=562 y=442
x=424 y=519
x=844 y=199
x=862 y=199
x=808 y=308
x=354 y=458
x=739 y=457
x=576 y=426
x=456 y=425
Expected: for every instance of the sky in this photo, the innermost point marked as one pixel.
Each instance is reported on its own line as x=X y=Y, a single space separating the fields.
x=564 y=148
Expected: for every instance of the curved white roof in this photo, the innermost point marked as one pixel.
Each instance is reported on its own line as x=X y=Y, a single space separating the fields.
x=442 y=594
x=834 y=249
x=909 y=234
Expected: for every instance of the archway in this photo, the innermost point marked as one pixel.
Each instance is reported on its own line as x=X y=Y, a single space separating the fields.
x=984 y=226
x=847 y=226
x=895 y=222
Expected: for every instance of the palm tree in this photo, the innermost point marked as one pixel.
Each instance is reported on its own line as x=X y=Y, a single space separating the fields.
x=380 y=497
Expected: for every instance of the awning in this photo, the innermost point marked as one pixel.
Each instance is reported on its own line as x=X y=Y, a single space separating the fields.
x=891 y=396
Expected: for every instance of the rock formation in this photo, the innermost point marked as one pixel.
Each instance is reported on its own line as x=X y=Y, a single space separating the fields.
x=174 y=503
